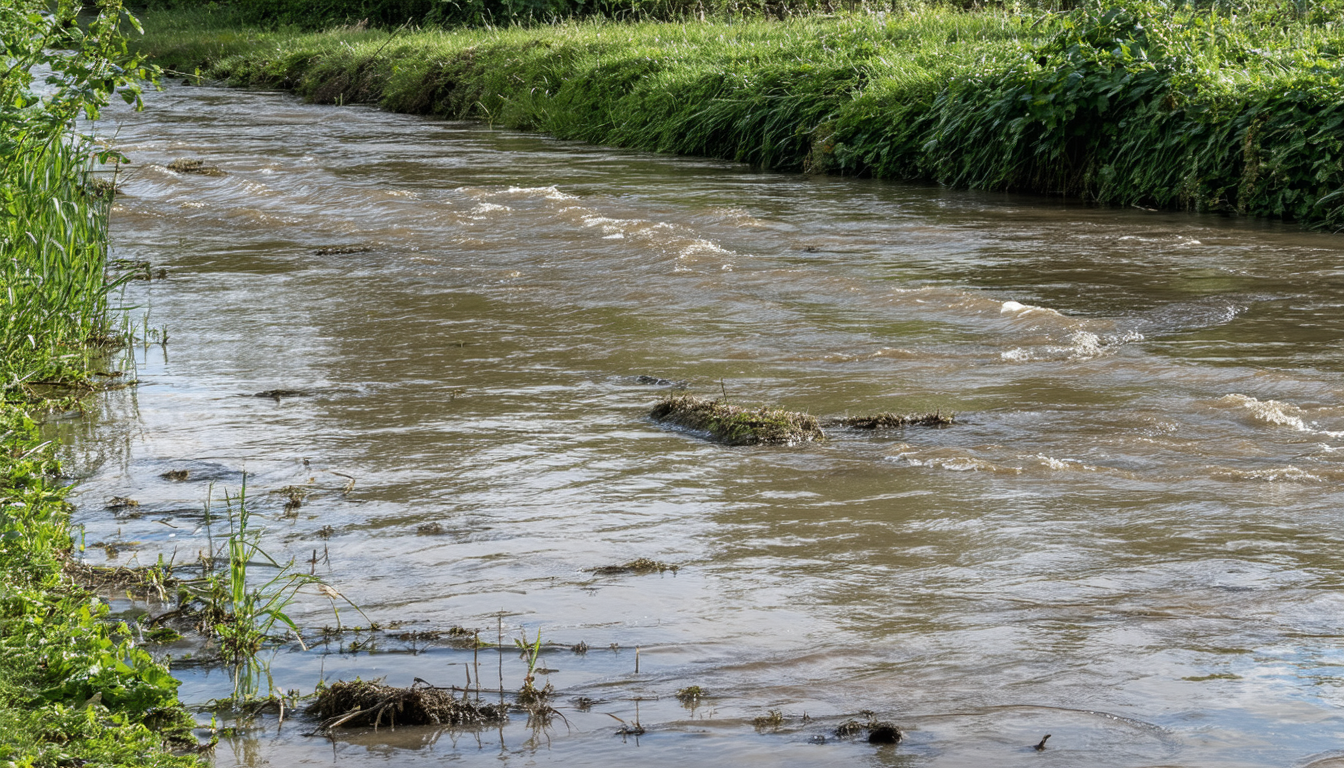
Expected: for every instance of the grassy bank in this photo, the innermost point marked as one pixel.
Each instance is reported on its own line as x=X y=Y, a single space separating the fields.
x=1134 y=104
x=74 y=688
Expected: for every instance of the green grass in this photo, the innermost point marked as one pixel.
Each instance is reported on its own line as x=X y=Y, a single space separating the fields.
x=52 y=266
x=1136 y=103
x=75 y=688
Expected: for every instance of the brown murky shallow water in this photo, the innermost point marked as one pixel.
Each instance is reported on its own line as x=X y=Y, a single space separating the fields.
x=1132 y=540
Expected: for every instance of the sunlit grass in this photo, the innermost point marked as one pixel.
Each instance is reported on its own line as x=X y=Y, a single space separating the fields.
x=1132 y=103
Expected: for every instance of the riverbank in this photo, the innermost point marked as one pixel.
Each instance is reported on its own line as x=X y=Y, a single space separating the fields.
x=75 y=688
x=1135 y=105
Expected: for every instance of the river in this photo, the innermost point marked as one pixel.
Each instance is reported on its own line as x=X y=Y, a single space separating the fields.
x=1132 y=539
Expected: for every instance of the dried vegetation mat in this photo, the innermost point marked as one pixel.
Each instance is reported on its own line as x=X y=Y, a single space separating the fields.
x=358 y=703
x=735 y=425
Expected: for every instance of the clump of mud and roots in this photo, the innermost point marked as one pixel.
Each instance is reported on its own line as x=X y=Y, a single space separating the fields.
x=358 y=703
x=735 y=425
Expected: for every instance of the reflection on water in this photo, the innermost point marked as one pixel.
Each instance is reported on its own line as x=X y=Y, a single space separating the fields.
x=1132 y=540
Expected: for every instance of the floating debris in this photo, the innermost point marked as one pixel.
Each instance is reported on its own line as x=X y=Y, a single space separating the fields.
x=429 y=529
x=734 y=425
x=194 y=166
x=101 y=188
x=884 y=733
x=341 y=250
x=276 y=394
x=896 y=420
x=150 y=581
x=654 y=381
x=1040 y=747
x=118 y=503
x=769 y=721
x=879 y=731
x=176 y=475
x=848 y=728
x=639 y=567
x=358 y=703
x=690 y=694
x=294 y=495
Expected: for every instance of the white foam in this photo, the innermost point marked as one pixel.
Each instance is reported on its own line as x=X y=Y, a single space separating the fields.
x=1288 y=474
x=701 y=248
x=1018 y=309
x=550 y=193
x=1269 y=411
x=1066 y=465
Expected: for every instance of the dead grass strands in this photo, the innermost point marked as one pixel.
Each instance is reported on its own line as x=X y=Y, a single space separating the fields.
x=735 y=425
x=149 y=582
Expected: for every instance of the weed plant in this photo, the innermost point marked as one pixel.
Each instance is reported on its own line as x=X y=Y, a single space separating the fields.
x=243 y=613
x=1232 y=107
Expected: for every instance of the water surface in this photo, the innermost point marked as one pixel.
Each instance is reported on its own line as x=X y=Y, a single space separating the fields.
x=1131 y=540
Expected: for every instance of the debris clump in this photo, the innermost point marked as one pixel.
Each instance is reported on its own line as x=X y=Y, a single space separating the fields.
x=884 y=733
x=879 y=731
x=276 y=394
x=771 y=721
x=341 y=250
x=358 y=703
x=735 y=425
x=896 y=420
x=638 y=567
x=197 y=167
x=690 y=694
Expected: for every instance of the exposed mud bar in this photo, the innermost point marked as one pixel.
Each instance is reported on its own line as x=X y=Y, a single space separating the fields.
x=735 y=425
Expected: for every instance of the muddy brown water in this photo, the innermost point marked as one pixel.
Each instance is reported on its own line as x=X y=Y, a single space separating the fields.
x=1133 y=540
